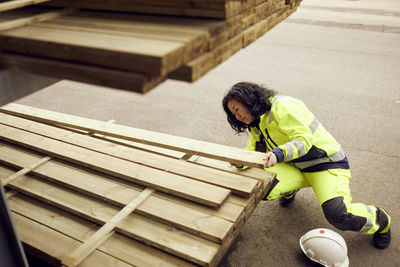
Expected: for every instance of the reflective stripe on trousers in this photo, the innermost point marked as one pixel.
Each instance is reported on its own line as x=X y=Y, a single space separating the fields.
x=327 y=184
x=338 y=156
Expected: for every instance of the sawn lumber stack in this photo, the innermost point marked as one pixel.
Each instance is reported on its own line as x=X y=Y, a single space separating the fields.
x=91 y=193
x=131 y=44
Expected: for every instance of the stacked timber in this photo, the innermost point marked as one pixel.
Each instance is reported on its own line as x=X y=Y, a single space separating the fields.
x=90 y=193
x=132 y=44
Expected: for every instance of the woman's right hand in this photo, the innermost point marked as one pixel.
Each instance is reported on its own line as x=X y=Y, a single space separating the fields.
x=237 y=165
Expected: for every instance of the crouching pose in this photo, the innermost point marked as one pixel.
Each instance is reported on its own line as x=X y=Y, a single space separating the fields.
x=303 y=154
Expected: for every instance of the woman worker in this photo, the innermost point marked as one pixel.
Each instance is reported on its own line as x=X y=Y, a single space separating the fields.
x=302 y=153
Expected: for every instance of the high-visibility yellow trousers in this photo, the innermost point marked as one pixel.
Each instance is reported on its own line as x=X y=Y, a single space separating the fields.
x=333 y=192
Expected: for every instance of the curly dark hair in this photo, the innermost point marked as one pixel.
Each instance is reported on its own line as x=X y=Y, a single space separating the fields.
x=253 y=96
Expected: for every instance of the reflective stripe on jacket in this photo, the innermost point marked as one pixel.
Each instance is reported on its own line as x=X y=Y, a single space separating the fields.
x=298 y=134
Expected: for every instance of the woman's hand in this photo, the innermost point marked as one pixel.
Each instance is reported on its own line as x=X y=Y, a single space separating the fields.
x=270 y=159
x=237 y=165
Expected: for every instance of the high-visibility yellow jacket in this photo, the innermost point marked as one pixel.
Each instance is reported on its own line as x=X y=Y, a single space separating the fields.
x=295 y=135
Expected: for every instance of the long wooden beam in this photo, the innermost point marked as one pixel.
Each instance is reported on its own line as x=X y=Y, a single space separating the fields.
x=177 y=185
x=102 y=76
x=215 y=223
x=152 y=232
x=94 y=241
x=59 y=232
x=33 y=19
x=206 y=149
x=25 y=170
x=9 y=5
x=234 y=182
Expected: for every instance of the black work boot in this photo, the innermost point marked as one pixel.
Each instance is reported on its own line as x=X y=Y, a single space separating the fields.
x=382 y=237
x=288 y=198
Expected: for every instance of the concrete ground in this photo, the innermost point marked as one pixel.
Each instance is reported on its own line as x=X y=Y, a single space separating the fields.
x=342 y=58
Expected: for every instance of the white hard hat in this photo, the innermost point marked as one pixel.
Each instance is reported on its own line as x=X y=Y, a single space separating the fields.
x=325 y=247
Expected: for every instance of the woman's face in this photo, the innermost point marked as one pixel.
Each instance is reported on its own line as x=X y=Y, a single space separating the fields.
x=240 y=111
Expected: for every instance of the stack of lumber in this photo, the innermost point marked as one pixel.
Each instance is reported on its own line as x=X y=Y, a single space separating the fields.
x=90 y=193
x=114 y=45
x=223 y=9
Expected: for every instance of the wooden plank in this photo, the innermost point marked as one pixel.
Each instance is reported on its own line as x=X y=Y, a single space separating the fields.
x=24 y=171
x=160 y=207
x=33 y=19
x=197 y=68
x=236 y=183
x=196 y=42
x=167 y=238
x=211 y=150
x=33 y=234
x=168 y=182
x=192 y=9
x=9 y=5
x=61 y=226
x=154 y=57
x=256 y=173
x=11 y=193
x=253 y=32
x=92 y=243
x=79 y=72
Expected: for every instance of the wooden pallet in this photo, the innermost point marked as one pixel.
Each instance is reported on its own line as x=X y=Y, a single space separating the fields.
x=129 y=50
x=89 y=193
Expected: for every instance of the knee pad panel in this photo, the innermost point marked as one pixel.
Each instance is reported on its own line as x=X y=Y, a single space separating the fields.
x=272 y=186
x=335 y=212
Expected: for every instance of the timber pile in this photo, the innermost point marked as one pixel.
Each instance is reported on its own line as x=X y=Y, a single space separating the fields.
x=131 y=44
x=90 y=193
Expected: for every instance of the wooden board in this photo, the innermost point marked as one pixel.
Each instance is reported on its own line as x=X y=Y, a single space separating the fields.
x=78 y=208
x=128 y=53
x=234 y=183
x=41 y=225
x=132 y=51
x=107 y=77
x=13 y=4
x=163 y=181
x=195 y=69
x=192 y=8
x=187 y=145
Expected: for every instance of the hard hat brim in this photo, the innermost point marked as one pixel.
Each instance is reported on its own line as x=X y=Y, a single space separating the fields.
x=345 y=263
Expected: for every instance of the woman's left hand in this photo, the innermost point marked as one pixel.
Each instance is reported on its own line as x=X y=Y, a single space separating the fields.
x=270 y=159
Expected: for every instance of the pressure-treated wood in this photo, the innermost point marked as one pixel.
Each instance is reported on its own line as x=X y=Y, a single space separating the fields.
x=163 y=181
x=24 y=171
x=37 y=18
x=139 y=227
x=13 y=4
x=129 y=50
x=232 y=182
x=161 y=207
x=234 y=155
x=113 y=51
x=196 y=68
x=105 y=231
x=60 y=227
x=195 y=40
x=97 y=198
x=79 y=72
x=195 y=8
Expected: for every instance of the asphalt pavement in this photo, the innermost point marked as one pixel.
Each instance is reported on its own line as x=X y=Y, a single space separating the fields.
x=342 y=58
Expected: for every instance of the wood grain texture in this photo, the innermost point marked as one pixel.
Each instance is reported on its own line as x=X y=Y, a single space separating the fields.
x=91 y=211
x=236 y=183
x=60 y=227
x=107 y=230
x=13 y=4
x=126 y=80
x=167 y=182
x=187 y=145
